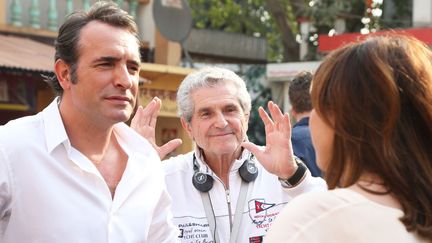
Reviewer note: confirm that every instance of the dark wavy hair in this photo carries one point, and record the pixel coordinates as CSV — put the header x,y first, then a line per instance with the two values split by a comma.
x,y
299,92
377,96
67,42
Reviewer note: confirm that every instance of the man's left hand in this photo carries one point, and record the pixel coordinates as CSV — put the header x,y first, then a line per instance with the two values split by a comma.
x,y
277,155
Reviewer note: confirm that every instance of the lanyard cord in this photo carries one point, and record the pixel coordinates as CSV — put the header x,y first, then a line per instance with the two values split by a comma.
x,y
211,218
239,211
205,196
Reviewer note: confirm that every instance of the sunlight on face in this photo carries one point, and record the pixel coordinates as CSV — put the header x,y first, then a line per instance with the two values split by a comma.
x,y
218,124
322,139
107,74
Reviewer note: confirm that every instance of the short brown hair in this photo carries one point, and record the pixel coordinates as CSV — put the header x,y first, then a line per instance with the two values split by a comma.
x,y
66,44
377,96
299,92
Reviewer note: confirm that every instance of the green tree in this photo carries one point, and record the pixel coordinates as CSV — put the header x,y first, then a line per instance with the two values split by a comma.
x,y
254,77
276,20
248,17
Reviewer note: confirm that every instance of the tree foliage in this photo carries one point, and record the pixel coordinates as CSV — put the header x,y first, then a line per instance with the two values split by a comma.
x,y
248,17
276,20
260,95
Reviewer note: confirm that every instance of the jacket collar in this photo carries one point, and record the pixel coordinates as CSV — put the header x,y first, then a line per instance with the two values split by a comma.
x,y
303,122
246,154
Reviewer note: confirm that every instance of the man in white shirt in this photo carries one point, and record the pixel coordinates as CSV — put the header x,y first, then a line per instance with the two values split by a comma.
x,y
75,172
228,189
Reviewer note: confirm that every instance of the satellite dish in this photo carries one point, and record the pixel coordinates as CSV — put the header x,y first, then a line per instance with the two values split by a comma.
x,y
174,20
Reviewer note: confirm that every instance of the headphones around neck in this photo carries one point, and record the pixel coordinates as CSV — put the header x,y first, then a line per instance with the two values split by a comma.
x,y
204,182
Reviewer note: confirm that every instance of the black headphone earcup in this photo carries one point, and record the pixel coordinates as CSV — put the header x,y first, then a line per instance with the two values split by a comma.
x,y
202,182
248,171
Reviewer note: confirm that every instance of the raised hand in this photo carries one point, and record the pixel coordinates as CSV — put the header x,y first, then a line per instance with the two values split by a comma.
x,y
277,155
144,122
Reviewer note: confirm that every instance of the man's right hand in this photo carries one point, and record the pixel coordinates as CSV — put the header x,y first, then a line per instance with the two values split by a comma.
x,y
144,123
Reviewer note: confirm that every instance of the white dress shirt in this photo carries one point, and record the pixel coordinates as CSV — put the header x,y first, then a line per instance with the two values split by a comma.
x,y
50,192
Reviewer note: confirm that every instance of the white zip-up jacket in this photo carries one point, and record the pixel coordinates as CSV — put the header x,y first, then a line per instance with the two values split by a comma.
x,y
265,200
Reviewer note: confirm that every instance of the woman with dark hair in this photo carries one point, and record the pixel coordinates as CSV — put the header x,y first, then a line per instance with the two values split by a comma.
x,y
372,131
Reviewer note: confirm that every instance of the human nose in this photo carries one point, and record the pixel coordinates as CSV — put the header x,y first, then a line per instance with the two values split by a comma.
x,y
220,121
123,78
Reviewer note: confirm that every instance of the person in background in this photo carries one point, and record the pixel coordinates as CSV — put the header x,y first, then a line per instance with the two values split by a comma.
x,y
75,172
227,189
372,132
301,106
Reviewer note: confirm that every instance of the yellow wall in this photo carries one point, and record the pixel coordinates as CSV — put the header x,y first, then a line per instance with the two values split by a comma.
x,y
3,7
166,52
163,81
168,128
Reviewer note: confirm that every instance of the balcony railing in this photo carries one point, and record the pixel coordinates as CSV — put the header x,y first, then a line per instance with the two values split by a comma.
x,y
49,14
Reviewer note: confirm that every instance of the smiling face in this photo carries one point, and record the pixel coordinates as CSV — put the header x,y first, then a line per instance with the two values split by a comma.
x,y
107,74
218,124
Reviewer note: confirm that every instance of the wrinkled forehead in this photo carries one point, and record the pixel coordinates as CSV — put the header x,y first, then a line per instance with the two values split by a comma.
x,y
216,96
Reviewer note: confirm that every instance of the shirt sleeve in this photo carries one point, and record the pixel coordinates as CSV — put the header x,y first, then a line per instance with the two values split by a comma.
x,y
308,184
162,228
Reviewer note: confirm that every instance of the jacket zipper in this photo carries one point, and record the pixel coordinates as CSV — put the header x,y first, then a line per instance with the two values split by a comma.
x,y
228,198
